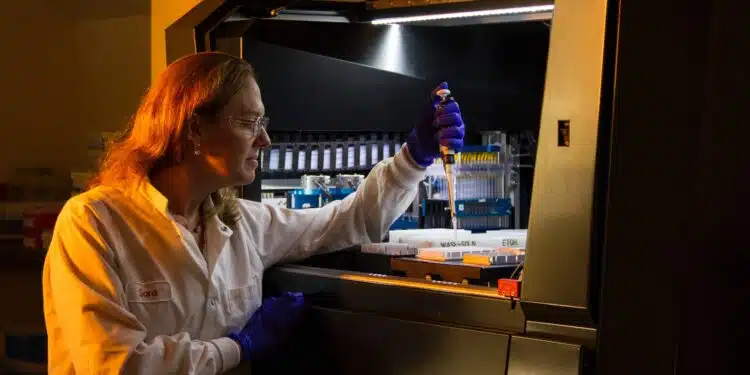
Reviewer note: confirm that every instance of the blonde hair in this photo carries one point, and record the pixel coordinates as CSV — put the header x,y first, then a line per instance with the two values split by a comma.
x,y
200,84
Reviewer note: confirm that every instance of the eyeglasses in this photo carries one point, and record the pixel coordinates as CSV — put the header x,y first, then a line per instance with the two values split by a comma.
x,y
252,125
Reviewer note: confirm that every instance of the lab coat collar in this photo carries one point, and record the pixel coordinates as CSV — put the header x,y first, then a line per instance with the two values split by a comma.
x,y
214,221
217,232
157,199
217,235
160,202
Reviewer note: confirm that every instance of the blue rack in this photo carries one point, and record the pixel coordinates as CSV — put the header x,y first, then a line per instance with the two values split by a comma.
x,y
484,207
476,215
315,198
305,199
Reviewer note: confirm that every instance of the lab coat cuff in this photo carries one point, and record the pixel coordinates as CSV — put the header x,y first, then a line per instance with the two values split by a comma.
x,y
229,351
407,172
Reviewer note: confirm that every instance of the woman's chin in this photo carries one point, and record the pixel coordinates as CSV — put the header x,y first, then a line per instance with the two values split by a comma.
x,y
248,176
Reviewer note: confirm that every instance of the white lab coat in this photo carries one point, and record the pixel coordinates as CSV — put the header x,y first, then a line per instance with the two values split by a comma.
x,y
127,289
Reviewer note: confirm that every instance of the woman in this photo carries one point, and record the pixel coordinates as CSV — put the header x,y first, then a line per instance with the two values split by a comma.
x,y
157,267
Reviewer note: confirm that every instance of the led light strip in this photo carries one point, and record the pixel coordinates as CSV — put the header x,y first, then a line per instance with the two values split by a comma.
x,y
477,13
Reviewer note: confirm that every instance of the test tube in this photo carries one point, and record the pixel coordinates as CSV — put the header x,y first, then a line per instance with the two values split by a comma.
x,y
288,157
273,162
386,146
314,158
386,150
327,158
302,158
350,156
362,155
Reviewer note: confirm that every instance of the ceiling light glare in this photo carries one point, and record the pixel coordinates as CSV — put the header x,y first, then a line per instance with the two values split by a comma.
x,y
469,14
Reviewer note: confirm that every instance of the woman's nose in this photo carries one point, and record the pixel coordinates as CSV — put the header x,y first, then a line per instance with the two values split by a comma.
x,y
262,140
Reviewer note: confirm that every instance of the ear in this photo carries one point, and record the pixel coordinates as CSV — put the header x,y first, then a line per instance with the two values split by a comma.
x,y
193,128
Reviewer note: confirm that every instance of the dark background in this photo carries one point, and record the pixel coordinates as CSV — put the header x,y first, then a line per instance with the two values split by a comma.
x,y
326,76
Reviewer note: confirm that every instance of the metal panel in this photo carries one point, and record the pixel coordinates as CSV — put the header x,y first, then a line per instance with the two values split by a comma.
x,y
559,242
679,158
227,37
527,17
540,357
565,333
342,342
711,338
388,8
190,33
388,4
399,297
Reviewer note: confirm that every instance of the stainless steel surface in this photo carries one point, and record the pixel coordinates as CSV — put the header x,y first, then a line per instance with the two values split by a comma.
x,y
469,4
344,342
389,4
190,33
310,16
559,243
228,37
541,16
281,184
540,357
312,182
385,280
585,336
351,181
414,299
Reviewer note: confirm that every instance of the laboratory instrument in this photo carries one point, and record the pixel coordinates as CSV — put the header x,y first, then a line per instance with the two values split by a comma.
x,y
571,309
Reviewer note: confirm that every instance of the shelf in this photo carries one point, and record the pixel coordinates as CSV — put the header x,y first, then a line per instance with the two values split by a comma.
x,y
280,184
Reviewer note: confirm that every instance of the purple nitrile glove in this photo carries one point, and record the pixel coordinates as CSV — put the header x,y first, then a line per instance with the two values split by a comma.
x,y
438,125
270,326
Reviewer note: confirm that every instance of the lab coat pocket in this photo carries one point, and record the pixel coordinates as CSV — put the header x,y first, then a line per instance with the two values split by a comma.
x,y
241,303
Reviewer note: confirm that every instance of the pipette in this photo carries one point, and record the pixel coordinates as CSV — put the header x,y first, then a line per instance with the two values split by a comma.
x,y
449,158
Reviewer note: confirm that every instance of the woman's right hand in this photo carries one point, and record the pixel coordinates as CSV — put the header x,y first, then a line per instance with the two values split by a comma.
x,y
438,125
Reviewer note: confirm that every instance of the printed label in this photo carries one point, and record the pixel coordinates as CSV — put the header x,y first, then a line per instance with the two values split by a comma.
x,y
457,243
157,291
510,242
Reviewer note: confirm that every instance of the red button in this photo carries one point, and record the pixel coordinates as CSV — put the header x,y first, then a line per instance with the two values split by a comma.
x,y
509,288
